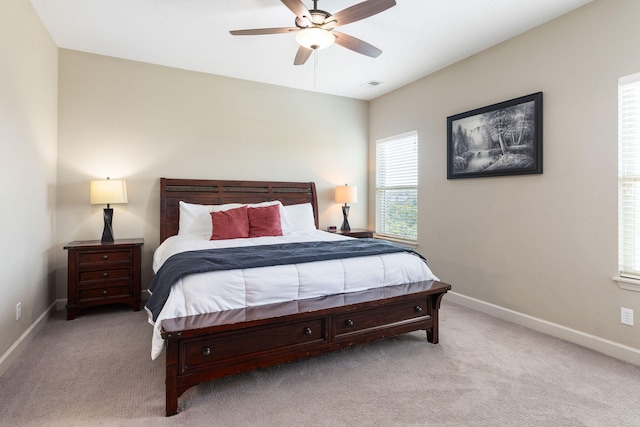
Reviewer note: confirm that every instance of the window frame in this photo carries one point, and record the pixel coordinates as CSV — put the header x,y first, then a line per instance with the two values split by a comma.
x,y
629,182
380,229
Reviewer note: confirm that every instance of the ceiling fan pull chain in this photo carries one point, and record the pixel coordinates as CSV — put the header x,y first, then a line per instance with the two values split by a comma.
x,y
315,65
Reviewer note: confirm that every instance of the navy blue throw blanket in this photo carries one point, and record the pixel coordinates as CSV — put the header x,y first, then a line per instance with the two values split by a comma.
x,y
182,264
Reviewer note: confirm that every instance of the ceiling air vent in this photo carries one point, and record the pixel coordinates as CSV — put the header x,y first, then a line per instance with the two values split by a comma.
x,y
371,84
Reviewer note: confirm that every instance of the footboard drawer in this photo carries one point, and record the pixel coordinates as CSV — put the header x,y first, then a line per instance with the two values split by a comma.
x,y
370,319
198,353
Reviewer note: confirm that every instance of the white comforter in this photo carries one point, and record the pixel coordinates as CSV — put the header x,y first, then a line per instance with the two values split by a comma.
x,y
224,290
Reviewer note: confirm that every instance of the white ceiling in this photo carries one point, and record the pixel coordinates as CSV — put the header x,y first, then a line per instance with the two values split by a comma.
x,y
417,37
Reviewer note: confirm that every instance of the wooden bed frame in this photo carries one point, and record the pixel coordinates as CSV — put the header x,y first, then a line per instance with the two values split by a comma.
x,y
209,346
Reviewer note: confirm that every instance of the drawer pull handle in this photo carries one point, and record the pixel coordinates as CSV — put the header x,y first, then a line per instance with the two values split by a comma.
x,y
206,351
418,309
105,257
348,322
105,274
105,292
308,331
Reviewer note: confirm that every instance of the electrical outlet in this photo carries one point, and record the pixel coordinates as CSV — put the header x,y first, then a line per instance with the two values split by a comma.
x,y
18,311
626,316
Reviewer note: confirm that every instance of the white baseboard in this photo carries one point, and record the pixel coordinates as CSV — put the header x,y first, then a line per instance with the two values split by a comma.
x,y
14,351
610,348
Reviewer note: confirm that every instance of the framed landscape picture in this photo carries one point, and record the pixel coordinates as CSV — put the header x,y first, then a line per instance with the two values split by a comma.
x,y
501,139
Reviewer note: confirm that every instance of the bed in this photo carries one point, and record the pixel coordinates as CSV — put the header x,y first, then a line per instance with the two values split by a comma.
x,y
230,316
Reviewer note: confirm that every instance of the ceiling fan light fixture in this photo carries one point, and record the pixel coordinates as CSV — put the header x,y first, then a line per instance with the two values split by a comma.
x,y
315,38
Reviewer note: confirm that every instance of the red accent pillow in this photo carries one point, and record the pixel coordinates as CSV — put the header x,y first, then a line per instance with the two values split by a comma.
x,y
265,221
230,224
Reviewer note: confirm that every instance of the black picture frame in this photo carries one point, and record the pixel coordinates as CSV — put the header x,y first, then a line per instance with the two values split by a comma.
x,y
497,140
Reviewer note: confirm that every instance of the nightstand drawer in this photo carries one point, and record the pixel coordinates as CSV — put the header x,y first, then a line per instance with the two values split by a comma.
x,y
102,293
104,258
91,276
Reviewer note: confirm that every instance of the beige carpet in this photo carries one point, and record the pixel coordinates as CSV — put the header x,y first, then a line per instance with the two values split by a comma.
x,y
96,370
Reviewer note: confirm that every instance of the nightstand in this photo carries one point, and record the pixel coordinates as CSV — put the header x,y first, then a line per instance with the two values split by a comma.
x,y
102,274
360,233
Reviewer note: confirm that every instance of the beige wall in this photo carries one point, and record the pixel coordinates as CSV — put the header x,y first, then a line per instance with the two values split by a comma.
x,y
140,122
28,126
543,245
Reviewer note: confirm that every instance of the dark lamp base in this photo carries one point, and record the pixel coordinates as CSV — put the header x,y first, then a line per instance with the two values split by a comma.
x,y
345,221
107,233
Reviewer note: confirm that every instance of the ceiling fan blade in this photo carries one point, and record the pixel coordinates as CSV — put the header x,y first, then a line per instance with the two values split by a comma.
x,y
356,45
259,31
302,55
297,7
360,11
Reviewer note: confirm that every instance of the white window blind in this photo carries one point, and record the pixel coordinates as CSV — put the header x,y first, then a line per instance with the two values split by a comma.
x,y
629,175
397,187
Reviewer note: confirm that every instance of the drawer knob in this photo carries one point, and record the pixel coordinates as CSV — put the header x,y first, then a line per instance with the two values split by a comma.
x,y
308,331
348,322
105,292
206,351
105,274
418,309
105,257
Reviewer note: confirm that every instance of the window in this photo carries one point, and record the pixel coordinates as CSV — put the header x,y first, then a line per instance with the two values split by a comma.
x,y
629,176
397,187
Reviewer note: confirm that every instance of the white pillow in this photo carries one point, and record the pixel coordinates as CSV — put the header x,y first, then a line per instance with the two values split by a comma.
x,y
196,219
299,218
263,204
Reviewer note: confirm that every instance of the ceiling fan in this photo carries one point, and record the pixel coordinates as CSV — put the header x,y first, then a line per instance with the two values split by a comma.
x,y
315,28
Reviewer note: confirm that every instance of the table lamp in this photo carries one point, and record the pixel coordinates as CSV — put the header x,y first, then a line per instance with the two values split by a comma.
x,y
346,194
108,191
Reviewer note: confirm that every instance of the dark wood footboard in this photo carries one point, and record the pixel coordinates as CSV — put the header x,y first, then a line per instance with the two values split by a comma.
x,y
209,346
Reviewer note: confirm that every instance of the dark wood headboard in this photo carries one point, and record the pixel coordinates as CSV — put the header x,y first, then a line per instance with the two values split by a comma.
x,y
218,192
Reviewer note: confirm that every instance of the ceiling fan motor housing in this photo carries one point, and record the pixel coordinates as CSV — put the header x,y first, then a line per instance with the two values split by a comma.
x,y
317,18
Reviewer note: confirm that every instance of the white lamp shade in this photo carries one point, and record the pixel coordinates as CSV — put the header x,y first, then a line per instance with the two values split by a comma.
x,y
107,191
315,38
346,194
